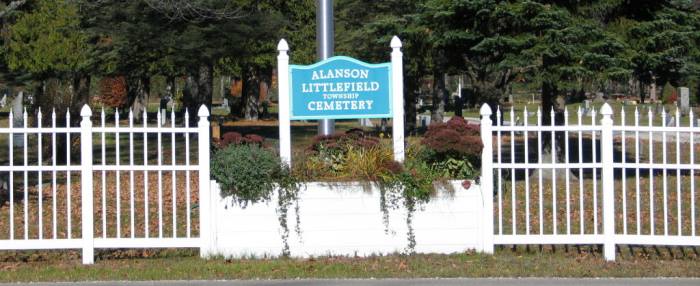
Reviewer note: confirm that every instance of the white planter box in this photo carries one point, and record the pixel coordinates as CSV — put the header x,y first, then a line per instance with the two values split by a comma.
x,y
346,219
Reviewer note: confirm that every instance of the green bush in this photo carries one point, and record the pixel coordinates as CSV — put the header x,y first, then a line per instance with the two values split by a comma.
x,y
248,173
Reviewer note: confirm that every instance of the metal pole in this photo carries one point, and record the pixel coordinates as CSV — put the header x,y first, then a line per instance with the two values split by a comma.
x,y
324,49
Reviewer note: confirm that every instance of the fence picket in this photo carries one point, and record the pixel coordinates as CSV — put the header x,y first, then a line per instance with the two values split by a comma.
x,y
527,175
500,174
679,218
692,176
26,175
513,189
132,215
173,174
624,178
104,176
652,230
54,218
40,175
539,160
580,172
553,151
636,161
11,187
595,175
117,159
567,172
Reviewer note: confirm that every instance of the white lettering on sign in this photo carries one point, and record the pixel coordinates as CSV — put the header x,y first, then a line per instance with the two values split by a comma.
x,y
340,105
340,73
340,87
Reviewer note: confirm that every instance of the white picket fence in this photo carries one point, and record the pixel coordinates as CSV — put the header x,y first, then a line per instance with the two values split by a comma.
x,y
105,213
601,190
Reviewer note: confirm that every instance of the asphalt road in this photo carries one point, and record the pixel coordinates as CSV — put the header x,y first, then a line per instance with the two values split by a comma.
x,y
401,282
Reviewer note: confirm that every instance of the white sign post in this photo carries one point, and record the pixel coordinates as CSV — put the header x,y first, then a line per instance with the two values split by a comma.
x,y
397,101
396,93
284,119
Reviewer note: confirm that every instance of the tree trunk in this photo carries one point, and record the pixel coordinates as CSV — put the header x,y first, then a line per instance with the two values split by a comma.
x,y
62,97
410,96
251,94
205,83
437,110
549,94
189,94
642,92
172,87
138,91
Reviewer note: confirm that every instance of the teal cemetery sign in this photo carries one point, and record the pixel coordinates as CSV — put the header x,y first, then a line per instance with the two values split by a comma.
x,y
340,88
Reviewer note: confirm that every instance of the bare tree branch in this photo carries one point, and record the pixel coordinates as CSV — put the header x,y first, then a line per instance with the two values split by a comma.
x,y
194,11
11,7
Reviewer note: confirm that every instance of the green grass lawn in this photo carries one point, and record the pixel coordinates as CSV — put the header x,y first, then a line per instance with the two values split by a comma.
x,y
507,262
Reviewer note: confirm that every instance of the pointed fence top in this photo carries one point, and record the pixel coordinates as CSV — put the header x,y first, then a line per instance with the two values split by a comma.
x,y
396,43
283,46
485,110
203,111
606,109
85,111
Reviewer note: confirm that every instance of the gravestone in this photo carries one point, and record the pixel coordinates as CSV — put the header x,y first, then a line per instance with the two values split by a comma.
x,y
3,101
599,97
423,120
18,112
366,122
225,104
685,100
671,121
164,101
658,108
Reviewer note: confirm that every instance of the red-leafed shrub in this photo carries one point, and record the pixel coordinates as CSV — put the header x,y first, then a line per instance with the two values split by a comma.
x,y
236,138
453,148
113,92
454,139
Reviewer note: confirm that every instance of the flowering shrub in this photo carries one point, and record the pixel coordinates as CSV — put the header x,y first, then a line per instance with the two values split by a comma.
x,y
453,148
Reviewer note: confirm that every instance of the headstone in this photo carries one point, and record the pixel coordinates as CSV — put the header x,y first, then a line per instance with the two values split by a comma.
x,y
423,120
225,104
171,103
599,97
3,101
366,122
18,112
586,107
671,121
652,92
659,108
163,108
685,100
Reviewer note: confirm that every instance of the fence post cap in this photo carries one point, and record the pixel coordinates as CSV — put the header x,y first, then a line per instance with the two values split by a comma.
x,y
606,109
396,42
485,110
85,111
283,46
203,111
